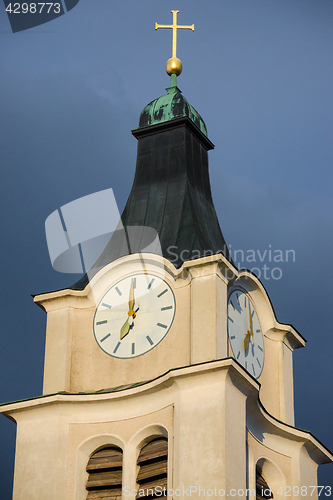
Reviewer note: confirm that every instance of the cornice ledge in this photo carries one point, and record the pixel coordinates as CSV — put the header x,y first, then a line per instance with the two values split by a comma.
x,y
171,124
239,376
269,424
287,334
211,264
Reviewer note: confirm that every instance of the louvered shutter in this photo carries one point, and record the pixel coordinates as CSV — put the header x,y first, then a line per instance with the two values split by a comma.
x,y
262,488
105,474
153,462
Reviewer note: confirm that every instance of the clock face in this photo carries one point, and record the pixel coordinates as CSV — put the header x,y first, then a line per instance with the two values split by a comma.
x,y
244,333
134,315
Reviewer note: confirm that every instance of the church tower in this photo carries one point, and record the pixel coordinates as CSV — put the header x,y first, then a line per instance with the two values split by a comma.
x,y
166,371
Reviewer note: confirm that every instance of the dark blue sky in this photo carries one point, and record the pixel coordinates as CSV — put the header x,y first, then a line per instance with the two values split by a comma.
x,y
260,74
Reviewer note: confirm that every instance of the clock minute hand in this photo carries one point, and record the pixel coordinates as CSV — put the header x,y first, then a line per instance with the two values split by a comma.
x,y
251,322
131,301
131,314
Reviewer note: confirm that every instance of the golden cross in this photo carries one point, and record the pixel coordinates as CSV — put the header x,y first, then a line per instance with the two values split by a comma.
x,y
174,28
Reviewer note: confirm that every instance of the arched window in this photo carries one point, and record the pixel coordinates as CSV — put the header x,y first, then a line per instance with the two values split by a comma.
x,y
152,475
105,474
263,491
269,479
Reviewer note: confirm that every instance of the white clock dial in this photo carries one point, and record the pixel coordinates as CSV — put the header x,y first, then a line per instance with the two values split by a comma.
x,y
134,315
245,333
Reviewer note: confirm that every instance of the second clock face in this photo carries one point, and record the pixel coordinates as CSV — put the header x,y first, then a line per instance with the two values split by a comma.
x,y
134,315
244,333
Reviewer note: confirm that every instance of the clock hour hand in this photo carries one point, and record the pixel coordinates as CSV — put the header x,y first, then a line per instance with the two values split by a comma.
x,y
126,327
246,340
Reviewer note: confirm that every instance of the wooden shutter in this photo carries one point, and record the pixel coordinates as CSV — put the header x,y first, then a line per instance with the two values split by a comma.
x,y
105,474
262,488
153,463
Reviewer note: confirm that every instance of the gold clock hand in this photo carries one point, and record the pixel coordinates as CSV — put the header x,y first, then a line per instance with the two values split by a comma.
x,y
131,314
129,323
246,340
131,298
251,322
124,329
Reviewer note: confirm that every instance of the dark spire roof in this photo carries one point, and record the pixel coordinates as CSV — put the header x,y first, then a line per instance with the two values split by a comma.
x,y
171,190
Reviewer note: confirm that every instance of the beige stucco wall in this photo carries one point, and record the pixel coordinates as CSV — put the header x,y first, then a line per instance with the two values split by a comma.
x,y
216,432
57,434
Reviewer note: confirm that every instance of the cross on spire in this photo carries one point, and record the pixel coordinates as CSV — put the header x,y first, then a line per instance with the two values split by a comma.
x,y
174,65
174,26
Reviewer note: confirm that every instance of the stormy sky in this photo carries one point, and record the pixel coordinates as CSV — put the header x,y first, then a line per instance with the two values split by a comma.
x,y
260,74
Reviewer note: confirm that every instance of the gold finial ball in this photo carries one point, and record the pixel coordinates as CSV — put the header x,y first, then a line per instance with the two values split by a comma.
x,y
174,66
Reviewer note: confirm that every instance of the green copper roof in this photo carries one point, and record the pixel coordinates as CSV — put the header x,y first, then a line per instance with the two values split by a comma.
x,y
170,107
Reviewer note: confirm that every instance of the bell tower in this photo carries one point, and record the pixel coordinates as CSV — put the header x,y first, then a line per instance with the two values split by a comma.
x,y
166,371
